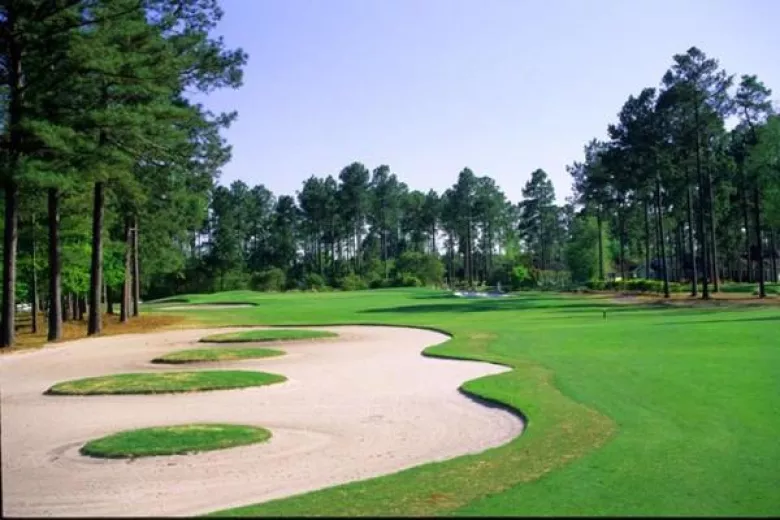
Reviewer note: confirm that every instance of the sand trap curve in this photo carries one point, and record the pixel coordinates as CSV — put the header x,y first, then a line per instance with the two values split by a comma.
x,y
361,406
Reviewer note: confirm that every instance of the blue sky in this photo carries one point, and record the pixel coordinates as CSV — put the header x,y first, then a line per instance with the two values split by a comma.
x,y
432,86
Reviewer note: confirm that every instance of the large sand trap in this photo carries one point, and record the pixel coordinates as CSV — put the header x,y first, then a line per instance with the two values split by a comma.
x,y
364,405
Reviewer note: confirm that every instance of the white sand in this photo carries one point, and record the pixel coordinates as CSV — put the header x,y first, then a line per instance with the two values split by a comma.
x,y
365,405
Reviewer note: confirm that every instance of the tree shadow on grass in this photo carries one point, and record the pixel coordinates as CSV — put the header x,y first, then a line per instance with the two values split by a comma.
x,y
513,304
725,320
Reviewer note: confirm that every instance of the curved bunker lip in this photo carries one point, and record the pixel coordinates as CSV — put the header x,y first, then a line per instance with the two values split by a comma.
x,y
340,390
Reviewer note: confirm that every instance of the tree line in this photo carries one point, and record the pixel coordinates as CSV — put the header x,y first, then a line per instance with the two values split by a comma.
x,y
673,196
111,174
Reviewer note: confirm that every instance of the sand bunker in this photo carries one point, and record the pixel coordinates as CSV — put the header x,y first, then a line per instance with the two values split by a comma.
x,y
361,406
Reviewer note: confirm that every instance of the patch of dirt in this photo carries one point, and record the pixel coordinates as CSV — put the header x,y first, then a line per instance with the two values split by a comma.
x,y
74,329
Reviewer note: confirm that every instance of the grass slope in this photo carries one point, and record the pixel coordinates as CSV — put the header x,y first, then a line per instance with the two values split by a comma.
x,y
653,411
174,440
197,355
165,382
260,336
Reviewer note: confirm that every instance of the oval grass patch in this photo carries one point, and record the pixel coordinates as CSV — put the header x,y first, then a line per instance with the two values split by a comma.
x,y
174,440
216,354
165,382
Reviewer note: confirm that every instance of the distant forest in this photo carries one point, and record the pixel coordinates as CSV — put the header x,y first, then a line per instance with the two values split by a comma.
x,y
110,192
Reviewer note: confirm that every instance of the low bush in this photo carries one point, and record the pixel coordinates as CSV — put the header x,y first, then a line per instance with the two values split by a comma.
x,y
408,280
351,282
640,285
271,280
314,281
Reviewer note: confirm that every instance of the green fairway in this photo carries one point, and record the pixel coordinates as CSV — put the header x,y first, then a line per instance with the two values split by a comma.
x,y
652,411
197,355
174,440
259,336
165,382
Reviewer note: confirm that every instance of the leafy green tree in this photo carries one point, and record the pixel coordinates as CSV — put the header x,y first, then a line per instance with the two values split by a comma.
x,y
538,217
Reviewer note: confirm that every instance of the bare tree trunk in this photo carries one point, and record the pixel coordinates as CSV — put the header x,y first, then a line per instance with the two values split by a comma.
x,y
746,224
691,244
82,307
647,239
136,270
659,212
124,309
713,242
95,325
109,300
10,241
34,281
601,244
10,237
773,245
621,216
759,241
702,231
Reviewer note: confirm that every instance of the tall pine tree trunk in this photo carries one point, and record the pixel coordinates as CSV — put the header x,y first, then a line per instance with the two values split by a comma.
x,y
124,309
713,242
647,239
773,245
10,237
601,244
680,251
659,213
692,244
136,270
702,231
621,216
34,280
746,224
759,241
10,241
95,324
109,300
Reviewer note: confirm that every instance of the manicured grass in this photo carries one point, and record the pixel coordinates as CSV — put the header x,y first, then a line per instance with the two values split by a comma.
x,y
174,440
657,410
165,382
216,354
258,336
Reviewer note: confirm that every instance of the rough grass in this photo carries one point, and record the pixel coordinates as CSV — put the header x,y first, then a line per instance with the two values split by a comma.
x,y
654,411
174,440
165,382
259,336
216,354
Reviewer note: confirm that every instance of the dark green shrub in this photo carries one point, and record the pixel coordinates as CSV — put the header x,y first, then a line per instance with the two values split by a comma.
x,y
428,269
271,280
314,281
519,277
351,282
